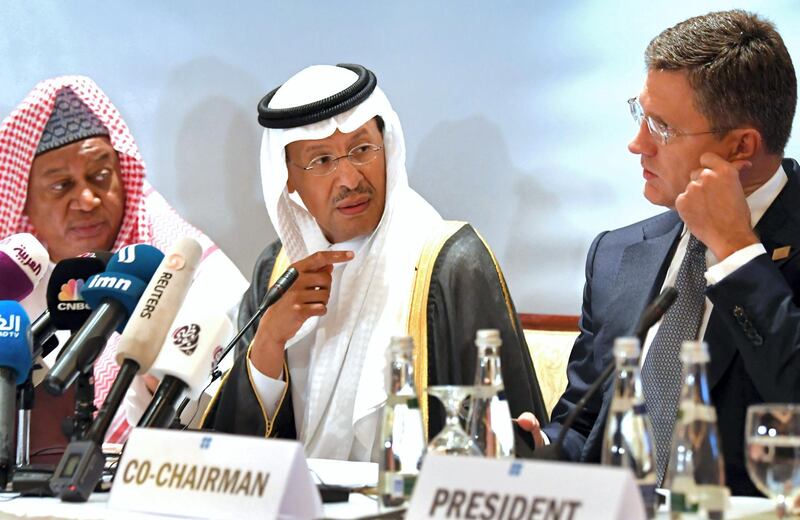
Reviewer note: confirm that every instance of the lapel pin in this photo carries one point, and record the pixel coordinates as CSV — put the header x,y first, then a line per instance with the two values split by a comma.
x,y
781,252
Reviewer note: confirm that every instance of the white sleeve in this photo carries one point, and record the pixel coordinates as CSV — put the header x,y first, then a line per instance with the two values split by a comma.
x,y
269,390
716,273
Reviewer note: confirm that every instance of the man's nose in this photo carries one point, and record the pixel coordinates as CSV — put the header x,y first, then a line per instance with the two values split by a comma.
x,y
87,200
643,142
347,174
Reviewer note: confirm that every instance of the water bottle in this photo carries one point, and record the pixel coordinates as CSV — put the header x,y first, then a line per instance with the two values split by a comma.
x,y
402,438
696,473
628,440
489,419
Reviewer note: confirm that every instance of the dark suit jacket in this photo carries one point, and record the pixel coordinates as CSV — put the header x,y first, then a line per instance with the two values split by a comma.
x,y
753,333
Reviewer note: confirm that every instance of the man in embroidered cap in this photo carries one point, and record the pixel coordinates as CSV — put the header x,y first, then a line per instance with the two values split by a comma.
x,y
375,260
712,120
72,175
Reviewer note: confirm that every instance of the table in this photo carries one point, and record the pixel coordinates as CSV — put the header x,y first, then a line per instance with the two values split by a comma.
x,y
29,508
359,506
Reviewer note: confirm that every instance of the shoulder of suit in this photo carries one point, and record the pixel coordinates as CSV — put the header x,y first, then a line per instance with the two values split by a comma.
x,y
656,225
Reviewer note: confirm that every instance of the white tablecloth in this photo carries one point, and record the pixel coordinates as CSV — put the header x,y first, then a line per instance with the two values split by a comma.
x,y
360,506
96,508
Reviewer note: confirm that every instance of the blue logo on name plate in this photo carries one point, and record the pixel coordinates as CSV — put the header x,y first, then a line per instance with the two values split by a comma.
x,y
205,443
515,470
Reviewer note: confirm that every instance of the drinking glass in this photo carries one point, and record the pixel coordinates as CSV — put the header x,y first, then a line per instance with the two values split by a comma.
x,y
773,453
452,440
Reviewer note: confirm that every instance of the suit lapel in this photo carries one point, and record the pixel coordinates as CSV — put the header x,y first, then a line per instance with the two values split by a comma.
x,y
777,228
641,273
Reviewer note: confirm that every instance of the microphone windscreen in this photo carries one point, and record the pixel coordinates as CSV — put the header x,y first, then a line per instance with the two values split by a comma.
x,y
192,349
150,321
68,310
23,262
139,260
124,279
15,340
103,256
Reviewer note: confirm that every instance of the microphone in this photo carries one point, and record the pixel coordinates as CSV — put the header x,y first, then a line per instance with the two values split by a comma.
x,y
112,295
189,355
138,348
651,314
274,294
66,309
145,332
277,290
15,364
23,262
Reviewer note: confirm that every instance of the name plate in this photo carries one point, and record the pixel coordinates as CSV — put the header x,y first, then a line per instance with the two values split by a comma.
x,y
473,488
214,475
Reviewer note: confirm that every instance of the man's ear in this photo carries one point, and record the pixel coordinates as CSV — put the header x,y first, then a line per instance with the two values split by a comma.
x,y
289,186
746,143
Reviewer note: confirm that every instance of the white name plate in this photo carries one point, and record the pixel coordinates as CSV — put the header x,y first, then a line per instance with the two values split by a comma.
x,y
214,475
473,488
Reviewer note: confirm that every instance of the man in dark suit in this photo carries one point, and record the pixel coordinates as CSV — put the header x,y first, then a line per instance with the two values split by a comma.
x,y
714,116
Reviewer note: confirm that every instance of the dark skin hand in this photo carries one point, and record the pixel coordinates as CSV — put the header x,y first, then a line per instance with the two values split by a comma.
x,y
307,297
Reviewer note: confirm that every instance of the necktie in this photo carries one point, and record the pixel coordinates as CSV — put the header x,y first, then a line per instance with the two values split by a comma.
x,y
661,371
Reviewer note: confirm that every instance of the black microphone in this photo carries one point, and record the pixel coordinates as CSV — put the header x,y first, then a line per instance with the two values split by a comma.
x,y
138,348
43,334
651,314
274,294
112,296
66,309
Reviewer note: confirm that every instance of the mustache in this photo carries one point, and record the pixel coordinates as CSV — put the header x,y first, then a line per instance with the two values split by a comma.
x,y
345,192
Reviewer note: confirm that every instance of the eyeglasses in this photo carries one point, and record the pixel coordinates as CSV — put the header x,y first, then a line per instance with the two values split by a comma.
x,y
325,164
658,129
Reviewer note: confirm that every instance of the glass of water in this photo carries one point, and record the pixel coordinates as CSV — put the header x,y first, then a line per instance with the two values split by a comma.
x,y
452,440
773,453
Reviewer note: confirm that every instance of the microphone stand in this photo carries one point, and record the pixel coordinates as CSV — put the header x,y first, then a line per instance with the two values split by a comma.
x,y
75,427
25,404
30,479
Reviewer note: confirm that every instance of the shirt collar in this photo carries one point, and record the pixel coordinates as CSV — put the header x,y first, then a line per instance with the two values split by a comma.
x,y
765,195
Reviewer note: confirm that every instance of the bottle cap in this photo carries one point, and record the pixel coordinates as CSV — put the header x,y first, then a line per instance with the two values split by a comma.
x,y
694,352
488,338
627,347
401,343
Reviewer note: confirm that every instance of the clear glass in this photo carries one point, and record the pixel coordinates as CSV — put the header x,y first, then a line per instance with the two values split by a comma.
x,y
628,440
696,471
402,437
773,454
452,440
489,420
659,129
323,165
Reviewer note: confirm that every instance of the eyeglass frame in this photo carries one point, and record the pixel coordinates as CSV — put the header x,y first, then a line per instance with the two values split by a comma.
x,y
664,136
335,160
